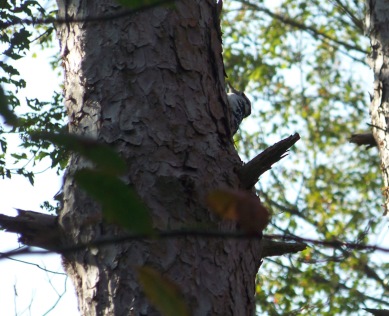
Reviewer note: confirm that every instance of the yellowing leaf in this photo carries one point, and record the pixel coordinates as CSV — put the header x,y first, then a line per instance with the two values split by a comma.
x,y
223,203
163,293
241,206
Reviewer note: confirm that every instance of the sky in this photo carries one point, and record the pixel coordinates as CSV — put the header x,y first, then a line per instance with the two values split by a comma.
x,y
26,288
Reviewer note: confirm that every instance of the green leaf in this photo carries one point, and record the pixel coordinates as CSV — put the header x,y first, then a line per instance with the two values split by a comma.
x,y
9,116
163,293
19,156
30,176
120,204
102,155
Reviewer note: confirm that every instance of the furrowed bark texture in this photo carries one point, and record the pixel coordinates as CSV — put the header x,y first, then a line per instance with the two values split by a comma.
x,y
151,84
377,20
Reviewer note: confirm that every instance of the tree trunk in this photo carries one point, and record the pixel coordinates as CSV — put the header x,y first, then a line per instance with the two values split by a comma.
x,y
151,84
377,19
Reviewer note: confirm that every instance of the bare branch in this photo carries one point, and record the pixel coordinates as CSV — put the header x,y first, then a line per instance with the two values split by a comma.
x,y
250,172
278,248
35,229
378,312
37,265
195,233
363,139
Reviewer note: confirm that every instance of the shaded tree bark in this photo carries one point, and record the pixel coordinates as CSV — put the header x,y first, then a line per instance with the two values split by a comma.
x,y
151,84
377,19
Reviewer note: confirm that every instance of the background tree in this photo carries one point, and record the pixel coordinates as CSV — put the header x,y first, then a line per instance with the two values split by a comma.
x,y
328,187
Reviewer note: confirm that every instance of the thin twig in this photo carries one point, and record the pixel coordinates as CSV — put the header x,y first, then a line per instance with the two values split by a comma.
x,y
196,233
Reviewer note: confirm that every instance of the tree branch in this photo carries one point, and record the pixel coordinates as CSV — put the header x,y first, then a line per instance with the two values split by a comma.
x,y
378,312
250,172
42,230
318,278
278,248
35,229
363,139
309,29
357,21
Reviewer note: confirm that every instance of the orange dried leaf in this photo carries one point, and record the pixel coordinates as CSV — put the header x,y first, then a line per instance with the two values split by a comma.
x,y
162,292
241,206
223,203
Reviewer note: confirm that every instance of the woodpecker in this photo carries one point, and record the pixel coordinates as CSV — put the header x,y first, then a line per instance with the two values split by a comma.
x,y
240,107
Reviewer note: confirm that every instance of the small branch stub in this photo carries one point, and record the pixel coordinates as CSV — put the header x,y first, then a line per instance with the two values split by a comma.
x,y
35,229
366,139
278,248
250,172
378,312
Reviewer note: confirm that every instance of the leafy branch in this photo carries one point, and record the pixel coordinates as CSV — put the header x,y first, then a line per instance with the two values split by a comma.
x,y
308,28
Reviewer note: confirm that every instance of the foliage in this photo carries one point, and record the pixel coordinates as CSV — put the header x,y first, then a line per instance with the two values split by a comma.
x,y
301,61
162,292
16,39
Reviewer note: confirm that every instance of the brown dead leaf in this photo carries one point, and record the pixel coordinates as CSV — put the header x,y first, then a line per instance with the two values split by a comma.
x,y
241,206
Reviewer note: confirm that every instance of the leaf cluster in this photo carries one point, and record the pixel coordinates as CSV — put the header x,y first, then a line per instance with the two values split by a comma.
x,y
35,115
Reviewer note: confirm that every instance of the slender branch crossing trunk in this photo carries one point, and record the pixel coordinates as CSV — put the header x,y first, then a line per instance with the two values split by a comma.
x,y
151,84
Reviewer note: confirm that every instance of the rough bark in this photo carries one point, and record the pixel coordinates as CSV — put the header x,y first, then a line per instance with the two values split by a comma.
x,y
151,84
377,19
